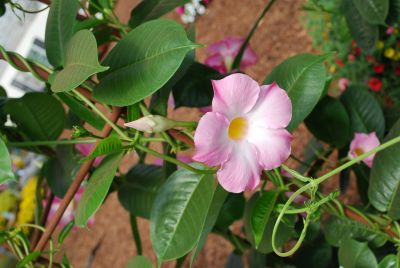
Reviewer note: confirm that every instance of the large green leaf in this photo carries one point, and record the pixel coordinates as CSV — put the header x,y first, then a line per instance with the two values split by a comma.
x,y
61,169
38,116
143,62
373,11
384,185
260,214
97,189
232,210
81,62
353,254
82,111
329,122
338,229
6,172
139,189
59,29
195,89
139,262
303,77
364,110
215,208
152,9
363,32
179,212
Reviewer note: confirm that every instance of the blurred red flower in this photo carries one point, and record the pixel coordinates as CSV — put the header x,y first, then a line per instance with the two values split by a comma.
x,y
375,84
379,68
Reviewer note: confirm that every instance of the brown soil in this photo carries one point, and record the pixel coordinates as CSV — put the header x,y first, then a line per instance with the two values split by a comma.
x,y
281,35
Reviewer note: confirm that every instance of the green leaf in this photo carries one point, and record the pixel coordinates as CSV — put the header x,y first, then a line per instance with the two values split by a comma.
x,y
61,169
284,232
82,111
373,11
390,261
81,62
142,62
384,185
365,113
338,229
215,208
97,189
152,9
38,115
178,213
6,172
195,89
353,254
28,259
394,12
59,29
303,77
234,261
363,32
260,214
138,191
108,145
65,231
139,262
232,210
329,122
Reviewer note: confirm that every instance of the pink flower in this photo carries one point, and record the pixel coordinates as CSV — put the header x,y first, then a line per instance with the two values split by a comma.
x,y
343,83
389,30
223,53
245,132
180,10
85,149
363,143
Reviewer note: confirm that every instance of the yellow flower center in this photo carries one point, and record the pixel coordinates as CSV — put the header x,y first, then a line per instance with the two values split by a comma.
x,y
358,151
237,128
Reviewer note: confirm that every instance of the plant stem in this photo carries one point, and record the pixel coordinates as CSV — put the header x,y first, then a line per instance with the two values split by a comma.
x,y
50,143
136,234
173,160
102,115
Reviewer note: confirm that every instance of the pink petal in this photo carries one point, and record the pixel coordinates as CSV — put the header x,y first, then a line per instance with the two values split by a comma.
x,y
217,47
272,145
249,58
217,62
211,139
273,108
365,143
85,149
235,95
241,171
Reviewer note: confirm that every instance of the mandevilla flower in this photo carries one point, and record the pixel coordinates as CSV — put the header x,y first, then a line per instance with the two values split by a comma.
x,y
363,143
245,132
151,124
223,53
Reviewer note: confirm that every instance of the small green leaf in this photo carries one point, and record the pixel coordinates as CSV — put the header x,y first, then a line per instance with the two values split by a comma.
x,y
365,113
373,11
65,231
140,188
139,262
81,62
353,254
38,115
142,62
384,185
303,77
338,229
390,261
59,29
329,122
179,212
109,145
260,214
28,259
363,32
97,189
152,9
6,172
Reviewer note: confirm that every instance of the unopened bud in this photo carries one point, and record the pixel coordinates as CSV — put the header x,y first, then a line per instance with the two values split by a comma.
x,y
152,124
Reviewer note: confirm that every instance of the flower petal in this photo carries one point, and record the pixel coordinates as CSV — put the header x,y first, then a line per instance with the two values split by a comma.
x,y
365,143
235,95
272,145
273,108
212,143
249,58
241,171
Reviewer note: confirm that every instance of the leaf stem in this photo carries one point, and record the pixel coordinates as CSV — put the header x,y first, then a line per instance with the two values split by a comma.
x,y
50,143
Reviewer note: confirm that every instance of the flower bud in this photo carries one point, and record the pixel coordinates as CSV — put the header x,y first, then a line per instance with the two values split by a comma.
x,y
152,124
